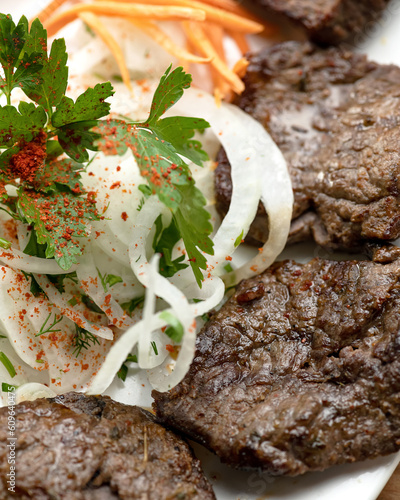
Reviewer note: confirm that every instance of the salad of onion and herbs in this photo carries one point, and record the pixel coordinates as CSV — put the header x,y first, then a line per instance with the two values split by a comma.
x,y
108,249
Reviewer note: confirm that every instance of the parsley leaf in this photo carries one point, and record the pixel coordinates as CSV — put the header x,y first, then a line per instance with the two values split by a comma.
x,y
76,138
195,226
12,41
168,92
20,125
53,74
163,243
90,105
59,219
157,145
178,130
61,174
26,74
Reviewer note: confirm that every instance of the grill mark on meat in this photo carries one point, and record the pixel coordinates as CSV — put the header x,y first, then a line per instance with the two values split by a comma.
x,y
345,169
77,447
313,383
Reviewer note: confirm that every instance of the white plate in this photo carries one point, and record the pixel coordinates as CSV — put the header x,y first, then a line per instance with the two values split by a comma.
x,y
347,482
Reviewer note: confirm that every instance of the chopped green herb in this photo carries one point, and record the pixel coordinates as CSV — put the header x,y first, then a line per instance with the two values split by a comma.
x,y
90,304
58,280
49,329
5,244
35,289
145,189
72,302
239,239
8,387
130,306
83,340
141,203
228,267
163,243
154,346
205,317
175,330
123,371
108,280
7,364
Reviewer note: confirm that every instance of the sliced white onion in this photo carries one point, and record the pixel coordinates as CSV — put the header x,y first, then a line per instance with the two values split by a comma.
x,y
167,375
61,301
147,358
156,284
33,390
89,283
15,300
277,197
16,259
115,358
258,168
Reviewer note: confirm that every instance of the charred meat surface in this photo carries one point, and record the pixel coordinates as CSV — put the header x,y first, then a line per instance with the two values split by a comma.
x,y
80,447
335,116
302,376
328,21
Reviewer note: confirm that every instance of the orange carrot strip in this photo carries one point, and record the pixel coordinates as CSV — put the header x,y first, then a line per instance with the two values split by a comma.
x,y
230,6
166,42
99,28
108,8
199,40
48,11
215,34
226,19
241,67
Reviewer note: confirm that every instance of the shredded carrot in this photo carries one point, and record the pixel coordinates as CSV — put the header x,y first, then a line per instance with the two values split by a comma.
x,y
205,23
215,34
99,28
199,40
165,41
241,67
229,5
226,19
49,10
171,13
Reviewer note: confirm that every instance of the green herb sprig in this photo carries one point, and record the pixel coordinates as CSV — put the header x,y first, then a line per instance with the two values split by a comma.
x,y
45,143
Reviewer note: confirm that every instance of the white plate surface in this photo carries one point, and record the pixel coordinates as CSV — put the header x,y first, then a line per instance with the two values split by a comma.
x,y
359,481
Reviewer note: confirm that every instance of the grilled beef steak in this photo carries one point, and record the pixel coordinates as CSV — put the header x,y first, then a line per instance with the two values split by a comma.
x,y
336,118
80,447
327,21
299,370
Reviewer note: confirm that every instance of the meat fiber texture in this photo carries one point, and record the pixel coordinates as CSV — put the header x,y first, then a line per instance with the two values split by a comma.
x,y
327,21
335,116
75,447
299,370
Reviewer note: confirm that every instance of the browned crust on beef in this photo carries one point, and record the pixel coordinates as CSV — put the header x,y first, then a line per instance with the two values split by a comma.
x,y
78,447
336,118
328,21
299,370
